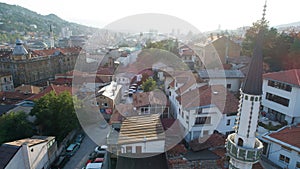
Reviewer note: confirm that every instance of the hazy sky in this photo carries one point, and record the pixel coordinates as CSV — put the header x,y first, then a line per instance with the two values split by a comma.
x,y
203,14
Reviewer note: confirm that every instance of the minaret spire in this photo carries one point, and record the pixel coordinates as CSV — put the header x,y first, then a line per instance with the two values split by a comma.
x,y
263,20
243,148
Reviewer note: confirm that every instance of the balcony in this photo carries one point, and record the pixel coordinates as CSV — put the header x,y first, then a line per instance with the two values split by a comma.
x,y
241,153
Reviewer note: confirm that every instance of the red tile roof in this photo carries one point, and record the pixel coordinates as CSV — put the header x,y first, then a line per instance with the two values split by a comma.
x,y
56,88
289,76
64,51
13,97
149,98
207,95
289,135
212,141
105,71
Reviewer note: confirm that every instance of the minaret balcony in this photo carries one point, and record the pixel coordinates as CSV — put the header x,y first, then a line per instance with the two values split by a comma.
x,y
242,153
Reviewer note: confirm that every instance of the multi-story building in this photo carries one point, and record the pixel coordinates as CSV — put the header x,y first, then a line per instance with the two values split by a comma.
x,y
36,66
231,79
36,152
283,147
107,98
207,109
6,82
281,96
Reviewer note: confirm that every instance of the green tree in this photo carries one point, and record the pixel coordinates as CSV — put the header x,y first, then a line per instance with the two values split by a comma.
x,y
55,115
149,85
14,126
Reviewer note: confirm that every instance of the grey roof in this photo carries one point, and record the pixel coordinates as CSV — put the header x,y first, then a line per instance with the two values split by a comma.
x,y
7,152
6,108
209,74
19,48
201,155
151,162
253,81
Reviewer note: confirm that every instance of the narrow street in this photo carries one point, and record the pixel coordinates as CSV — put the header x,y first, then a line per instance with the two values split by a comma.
x,y
93,134
81,156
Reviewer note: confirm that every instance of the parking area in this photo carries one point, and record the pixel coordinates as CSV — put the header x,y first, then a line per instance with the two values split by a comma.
x,y
79,159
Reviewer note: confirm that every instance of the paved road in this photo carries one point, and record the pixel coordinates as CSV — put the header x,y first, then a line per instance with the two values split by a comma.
x,y
87,146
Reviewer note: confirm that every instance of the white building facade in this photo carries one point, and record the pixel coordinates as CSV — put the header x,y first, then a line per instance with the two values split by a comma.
x,y
281,96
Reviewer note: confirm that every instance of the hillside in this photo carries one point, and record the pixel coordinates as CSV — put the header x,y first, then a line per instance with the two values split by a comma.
x,y
18,19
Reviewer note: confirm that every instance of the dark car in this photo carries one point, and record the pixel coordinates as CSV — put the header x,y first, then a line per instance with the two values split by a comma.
x,y
79,138
71,150
60,162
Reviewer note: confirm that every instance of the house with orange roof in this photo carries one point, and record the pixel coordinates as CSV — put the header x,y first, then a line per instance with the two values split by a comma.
x,y
57,89
281,96
207,109
282,147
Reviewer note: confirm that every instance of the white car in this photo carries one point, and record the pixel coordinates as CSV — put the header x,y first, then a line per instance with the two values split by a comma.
x,y
101,149
93,166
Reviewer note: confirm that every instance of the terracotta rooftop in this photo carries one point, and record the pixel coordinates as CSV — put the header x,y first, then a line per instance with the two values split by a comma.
x,y
149,98
289,135
289,76
212,141
13,97
56,88
207,95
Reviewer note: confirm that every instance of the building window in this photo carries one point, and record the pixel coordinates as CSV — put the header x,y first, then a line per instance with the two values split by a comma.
x,y
228,86
277,99
228,122
279,85
128,149
298,164
203,120
105,104
138,149
284,159
240,142
199,111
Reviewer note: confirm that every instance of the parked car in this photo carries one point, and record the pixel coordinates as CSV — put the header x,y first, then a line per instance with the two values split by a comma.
x,y
60,162
79,138
71,150
101,149
93,166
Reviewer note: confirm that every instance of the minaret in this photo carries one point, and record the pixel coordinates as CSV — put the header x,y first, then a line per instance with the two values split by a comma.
x,y
51,38
243,148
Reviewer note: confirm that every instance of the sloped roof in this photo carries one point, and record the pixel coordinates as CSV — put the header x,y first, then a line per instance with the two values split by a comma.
x,y
208,74
211,141
7,152
152,161
288,135
149,98
289,76
206,95
138,128
253,81
56,88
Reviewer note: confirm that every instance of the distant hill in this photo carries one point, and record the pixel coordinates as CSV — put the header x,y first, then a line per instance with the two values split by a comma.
x,y
16,18
294,24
